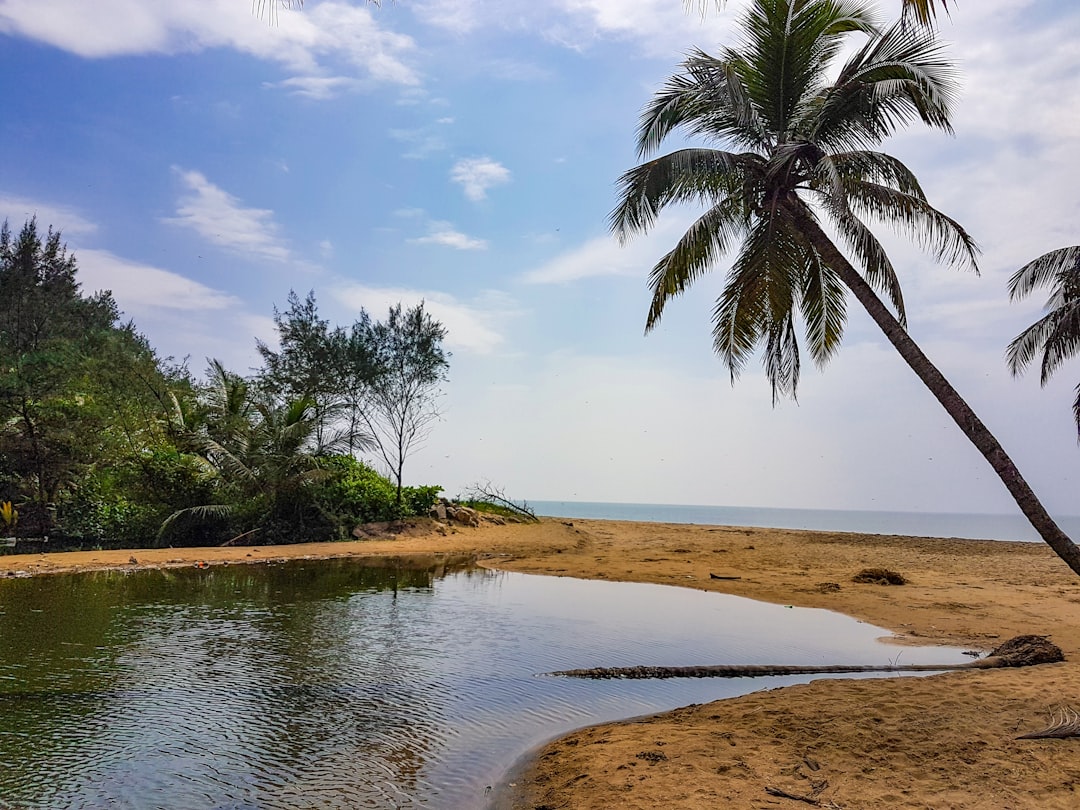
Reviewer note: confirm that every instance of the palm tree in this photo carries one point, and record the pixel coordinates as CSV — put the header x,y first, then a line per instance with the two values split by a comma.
x,y
924,10
1057,334
800,150
261,449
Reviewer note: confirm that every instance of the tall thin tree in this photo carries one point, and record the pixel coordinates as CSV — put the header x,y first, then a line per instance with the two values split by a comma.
x,y
800,146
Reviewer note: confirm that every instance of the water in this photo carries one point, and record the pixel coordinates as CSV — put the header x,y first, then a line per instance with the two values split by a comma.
x,y
328,685
914,524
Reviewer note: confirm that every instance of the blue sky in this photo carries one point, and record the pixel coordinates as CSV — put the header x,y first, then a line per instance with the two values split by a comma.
x,y
201,162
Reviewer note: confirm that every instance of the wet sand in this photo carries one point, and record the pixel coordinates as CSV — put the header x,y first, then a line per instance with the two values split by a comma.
x,y
946,741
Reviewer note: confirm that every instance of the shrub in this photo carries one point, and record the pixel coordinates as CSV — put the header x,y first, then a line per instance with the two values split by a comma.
x,y
354,493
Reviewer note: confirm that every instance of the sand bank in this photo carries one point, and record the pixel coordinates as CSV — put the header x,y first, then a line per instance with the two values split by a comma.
x,y
945,741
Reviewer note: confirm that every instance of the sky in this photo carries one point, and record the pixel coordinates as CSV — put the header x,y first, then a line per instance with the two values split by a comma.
x,y
202,160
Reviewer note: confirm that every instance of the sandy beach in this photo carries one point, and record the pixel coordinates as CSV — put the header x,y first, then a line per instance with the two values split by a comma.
x,y
945,741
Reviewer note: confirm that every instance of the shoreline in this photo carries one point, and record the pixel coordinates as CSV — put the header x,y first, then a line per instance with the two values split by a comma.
x,y
940,741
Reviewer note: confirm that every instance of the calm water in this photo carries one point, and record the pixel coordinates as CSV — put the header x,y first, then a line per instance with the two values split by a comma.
x,y
916,524
328,685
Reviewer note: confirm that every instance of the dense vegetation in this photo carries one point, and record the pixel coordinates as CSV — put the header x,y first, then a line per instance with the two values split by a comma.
x,y
102,442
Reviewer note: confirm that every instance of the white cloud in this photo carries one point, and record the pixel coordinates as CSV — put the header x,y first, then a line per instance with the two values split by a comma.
x,y
470,326
17,210
319,88
657,27
459,16
1004,96
219,217
477,175
326,39
604,256
140,288
422,141
443,233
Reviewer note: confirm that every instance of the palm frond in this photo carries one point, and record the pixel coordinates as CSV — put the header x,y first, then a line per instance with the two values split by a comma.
x,y
1057,266
708,98
876,265
937,233
872,167
893,80
695,253
195,513
757,303
924,11
1076,412
787,48
824,307
230,464
688,175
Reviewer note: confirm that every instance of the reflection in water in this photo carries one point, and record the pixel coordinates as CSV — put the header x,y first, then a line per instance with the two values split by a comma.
x,y
329,685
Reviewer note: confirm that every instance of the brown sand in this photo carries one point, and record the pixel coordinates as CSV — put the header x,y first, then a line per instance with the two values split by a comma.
x,y
946,741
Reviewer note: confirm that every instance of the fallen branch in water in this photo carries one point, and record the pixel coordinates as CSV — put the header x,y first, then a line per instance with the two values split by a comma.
x,y
1022,651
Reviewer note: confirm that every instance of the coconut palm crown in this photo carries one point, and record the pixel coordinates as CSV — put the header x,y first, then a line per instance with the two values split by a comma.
x,y
789,146
1056,335
805,151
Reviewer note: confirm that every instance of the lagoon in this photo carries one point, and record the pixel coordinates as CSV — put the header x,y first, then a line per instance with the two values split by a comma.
x,y
330,685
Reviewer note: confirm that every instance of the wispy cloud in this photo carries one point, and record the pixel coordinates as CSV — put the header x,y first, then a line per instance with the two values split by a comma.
x,y
329,44
657,27
459,16
141,288
604,256
317,87
443,233
470,325
477,175
17,210
220,218
422,142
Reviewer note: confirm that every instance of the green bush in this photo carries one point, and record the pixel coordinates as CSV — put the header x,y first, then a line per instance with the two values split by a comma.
x,y
124,505
354,493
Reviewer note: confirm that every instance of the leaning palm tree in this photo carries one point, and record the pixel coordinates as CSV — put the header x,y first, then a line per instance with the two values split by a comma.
x,y
788,148
1057,334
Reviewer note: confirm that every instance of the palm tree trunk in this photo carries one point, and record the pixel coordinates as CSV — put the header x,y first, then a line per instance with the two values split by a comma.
x,y
954,404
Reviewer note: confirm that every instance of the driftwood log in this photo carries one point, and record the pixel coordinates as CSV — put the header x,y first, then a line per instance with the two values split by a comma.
x,y
1022,651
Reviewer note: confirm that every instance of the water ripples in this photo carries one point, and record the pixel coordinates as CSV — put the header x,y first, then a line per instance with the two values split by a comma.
x,y
326,685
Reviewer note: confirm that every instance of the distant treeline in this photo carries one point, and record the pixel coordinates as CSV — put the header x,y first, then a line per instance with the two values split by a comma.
x,y
102,442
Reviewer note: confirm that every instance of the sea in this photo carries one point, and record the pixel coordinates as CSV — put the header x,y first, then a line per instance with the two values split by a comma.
x,y
916,524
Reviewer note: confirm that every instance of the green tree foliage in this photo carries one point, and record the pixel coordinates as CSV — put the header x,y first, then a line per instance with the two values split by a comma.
x,y
373,387
310,363
48,336
262,450
84,443
355,493
102,442
1056,335
409,366
790,140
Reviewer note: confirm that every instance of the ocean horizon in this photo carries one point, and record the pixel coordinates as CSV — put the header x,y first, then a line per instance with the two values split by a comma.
x,y
968,526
